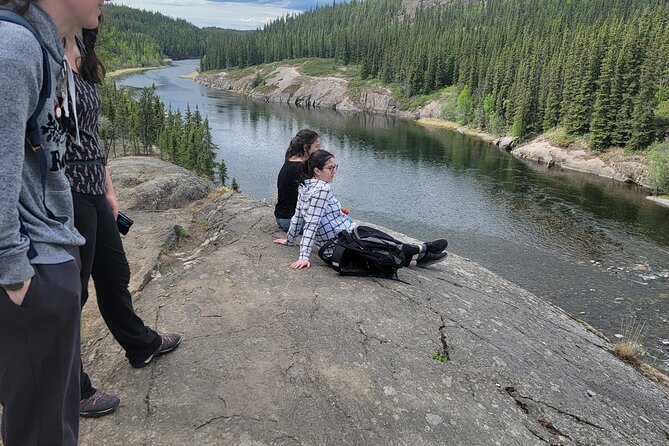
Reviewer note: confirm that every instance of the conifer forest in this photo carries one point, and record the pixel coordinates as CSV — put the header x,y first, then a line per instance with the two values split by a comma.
x,y
595,67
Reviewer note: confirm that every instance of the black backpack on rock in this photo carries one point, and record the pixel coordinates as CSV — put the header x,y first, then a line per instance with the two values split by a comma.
x,y
364,252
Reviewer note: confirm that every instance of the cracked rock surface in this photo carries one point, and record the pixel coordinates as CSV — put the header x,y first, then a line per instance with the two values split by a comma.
x,y
272,356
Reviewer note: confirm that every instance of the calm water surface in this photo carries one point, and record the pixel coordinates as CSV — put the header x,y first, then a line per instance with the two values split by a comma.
x,y
594,247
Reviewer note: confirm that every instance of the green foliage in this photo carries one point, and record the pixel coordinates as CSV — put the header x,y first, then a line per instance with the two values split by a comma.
x,y
137,126
449,99
122,49
662,112
235,185
465,106
439,357
412,102
560,137
181,232
595,67
292,88
491,119
258,80
222,173
318,67
266,89
659,165
130,36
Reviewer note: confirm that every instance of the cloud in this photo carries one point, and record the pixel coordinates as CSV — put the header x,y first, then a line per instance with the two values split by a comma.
x,y
256,20
224,14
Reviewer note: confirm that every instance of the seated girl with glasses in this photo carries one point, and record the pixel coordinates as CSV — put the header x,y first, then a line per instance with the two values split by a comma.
x,y
323,218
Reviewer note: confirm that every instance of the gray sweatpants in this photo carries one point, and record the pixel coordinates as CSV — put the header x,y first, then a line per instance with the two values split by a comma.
x,y
39,359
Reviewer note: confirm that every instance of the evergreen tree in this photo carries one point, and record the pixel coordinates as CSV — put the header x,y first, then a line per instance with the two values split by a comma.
x,y
604,111
519,64
222,173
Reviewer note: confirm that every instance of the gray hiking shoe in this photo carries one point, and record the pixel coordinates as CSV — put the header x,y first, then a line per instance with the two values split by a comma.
x,y
167,344
98,404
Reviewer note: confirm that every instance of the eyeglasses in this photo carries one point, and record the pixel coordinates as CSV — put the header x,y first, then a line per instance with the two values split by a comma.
x,y
332,168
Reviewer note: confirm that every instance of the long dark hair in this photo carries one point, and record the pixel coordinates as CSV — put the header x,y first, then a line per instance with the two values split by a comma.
x,y
20,6
316,160
91,67
301,143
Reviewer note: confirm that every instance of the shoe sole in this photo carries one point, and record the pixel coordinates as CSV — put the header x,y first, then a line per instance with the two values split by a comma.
x,y
431,262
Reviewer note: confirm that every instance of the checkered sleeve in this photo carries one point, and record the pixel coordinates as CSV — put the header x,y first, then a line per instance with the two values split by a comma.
x,y
312,218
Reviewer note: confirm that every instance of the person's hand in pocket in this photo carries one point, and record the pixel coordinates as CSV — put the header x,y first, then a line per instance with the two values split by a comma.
x,y
18,295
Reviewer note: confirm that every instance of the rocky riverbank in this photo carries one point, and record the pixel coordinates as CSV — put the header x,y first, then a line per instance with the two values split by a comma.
x,y
285,84
452,355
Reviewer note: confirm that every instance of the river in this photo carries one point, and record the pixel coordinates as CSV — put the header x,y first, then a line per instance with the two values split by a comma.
x,y
594,247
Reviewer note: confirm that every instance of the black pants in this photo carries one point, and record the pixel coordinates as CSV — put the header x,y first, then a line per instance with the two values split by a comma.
x,y
103,258
39,359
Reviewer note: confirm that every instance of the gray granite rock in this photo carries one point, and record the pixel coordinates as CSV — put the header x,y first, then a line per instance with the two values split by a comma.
x,y
147,183
273,356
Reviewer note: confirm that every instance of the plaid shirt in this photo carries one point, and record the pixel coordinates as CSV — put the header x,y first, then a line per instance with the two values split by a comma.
x,y
322,216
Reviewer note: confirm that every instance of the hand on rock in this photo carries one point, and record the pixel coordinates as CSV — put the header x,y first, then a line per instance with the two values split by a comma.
x,y
300,264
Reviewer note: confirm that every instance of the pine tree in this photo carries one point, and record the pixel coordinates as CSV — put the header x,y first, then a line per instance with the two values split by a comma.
x,y
222,172
642,131
604,110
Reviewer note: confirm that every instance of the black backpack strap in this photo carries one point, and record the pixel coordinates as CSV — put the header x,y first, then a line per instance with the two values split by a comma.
x,y
337,255
33,135
367,231
344,241
321,252
32,131
338,247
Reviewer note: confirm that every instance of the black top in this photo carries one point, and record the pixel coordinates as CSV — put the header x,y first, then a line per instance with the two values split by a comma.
x,y
84,164
286,184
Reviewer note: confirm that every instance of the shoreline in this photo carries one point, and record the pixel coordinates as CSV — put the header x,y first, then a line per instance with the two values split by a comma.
x,y
543,152
124,71
285,84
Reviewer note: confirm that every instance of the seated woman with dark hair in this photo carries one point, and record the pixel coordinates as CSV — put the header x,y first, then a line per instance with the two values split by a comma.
x,y
323,218
301,146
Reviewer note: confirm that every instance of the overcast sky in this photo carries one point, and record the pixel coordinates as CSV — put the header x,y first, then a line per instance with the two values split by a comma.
x,y
224,14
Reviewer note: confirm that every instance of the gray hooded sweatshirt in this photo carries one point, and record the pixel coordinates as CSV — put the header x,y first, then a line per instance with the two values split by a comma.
x,y
21,198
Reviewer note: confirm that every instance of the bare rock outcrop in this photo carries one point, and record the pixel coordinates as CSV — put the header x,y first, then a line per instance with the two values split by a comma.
x,y
616,165
506,143
452,355
148,183
286,85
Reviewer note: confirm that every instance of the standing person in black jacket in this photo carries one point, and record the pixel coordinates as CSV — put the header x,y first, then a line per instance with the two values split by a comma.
x,y
95,213
303,144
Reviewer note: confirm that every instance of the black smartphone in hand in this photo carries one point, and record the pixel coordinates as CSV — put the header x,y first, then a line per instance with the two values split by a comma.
x,y
123,222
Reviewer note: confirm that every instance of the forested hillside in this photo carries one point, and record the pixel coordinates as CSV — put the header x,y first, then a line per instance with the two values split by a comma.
x,y
134,38
594,67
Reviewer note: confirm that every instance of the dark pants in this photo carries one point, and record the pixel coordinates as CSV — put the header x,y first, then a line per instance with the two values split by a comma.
x,y
103,258
39,359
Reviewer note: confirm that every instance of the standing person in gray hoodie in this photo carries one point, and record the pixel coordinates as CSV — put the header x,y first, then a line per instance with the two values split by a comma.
x,y
39,267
